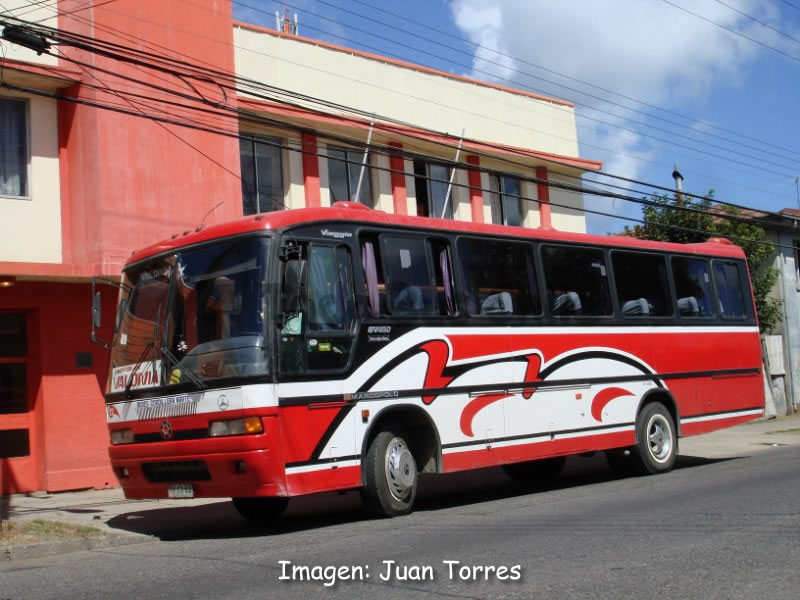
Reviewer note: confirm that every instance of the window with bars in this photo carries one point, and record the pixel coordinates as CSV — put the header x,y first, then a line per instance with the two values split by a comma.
x,y
262,175
505,200
344,172
14,148
431,182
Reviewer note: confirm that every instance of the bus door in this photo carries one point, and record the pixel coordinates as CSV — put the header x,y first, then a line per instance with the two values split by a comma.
x,y
317,320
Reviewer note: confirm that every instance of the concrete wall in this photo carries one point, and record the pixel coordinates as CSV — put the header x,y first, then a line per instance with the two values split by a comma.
x,y
68,433
789,286
413,95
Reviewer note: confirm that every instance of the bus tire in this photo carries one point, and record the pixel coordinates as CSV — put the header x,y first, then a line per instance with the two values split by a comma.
x,y
391,475
541,471
260,510
657,441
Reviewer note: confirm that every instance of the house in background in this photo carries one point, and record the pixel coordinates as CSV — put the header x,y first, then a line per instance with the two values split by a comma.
x,y
82,186
782,347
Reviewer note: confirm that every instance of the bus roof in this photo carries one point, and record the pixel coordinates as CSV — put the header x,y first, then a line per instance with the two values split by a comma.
x,y
358,213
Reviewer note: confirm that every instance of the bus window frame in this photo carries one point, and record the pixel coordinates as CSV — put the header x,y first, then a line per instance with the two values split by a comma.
x,y
615,314
309,241
667,258
747,299
686,320
532,247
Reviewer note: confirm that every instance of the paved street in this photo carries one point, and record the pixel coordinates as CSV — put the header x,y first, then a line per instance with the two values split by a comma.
x,y
716,527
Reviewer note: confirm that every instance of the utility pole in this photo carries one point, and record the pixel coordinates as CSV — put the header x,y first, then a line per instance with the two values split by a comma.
x,y
797,189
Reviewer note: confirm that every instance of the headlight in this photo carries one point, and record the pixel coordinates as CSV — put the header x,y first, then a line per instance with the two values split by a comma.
x,y
235,427
121,436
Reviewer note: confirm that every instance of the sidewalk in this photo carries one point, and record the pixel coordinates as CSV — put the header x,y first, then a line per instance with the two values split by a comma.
x,y
104,509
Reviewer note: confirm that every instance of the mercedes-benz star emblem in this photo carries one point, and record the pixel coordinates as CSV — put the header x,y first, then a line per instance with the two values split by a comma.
x,y
166,430
222,402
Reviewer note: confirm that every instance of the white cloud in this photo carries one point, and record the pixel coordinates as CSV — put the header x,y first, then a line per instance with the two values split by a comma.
x,y
644,49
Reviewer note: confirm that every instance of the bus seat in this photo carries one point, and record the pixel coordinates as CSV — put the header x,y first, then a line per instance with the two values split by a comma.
x,y
408,300
639,306
497,304
568,303
688,307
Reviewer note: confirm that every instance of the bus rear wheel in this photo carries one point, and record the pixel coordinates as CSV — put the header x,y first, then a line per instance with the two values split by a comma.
x,y
391,475
542,471
260,510
657,445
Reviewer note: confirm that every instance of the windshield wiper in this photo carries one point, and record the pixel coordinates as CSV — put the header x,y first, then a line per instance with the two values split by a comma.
x,y
140,360
189,375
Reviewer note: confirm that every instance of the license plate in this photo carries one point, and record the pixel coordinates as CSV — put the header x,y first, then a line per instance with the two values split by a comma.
x,y
181,490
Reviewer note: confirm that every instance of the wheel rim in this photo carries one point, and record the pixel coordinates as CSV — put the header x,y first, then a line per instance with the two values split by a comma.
x,y
400,469
659,438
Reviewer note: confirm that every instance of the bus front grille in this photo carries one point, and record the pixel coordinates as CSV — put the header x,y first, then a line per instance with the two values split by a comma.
x,y
175,471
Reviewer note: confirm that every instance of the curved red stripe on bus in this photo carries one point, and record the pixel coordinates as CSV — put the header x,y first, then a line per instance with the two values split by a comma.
x,y
602,399
532,374
437,352
475,406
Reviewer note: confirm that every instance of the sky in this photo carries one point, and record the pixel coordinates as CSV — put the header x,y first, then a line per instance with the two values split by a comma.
x,y
715,93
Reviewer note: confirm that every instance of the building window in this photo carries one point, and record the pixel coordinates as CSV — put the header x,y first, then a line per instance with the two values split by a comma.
x,y
262,175
505,200
344,169
13,382
13,147
431,183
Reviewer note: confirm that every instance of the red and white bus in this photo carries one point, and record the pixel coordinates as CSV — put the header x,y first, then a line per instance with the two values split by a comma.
x,y
338,348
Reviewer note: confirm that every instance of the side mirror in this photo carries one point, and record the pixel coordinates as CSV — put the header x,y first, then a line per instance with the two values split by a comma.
x,y
97,308
97,311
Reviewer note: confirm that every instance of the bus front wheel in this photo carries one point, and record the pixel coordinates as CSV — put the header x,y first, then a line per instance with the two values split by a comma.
x,y
391,475
260,509
657,445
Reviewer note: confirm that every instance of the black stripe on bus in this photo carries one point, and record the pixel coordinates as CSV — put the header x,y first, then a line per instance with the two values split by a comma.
x,y
337,420
513,438
526,436
321,461
537,384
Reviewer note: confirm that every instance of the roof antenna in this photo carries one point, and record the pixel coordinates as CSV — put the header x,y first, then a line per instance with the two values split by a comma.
x,y
203,221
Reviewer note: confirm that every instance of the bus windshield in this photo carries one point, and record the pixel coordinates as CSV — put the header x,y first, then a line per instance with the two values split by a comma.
x,y
194,316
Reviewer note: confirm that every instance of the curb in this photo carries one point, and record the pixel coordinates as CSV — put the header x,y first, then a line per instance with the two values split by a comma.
x,y
40,549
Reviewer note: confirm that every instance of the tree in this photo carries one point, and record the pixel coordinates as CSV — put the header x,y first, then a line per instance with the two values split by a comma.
x,y
666,219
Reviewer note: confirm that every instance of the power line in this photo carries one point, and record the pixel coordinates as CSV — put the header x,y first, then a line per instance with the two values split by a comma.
x,y
605,149
583,82
151,66
733,31
593,108
736,10
574,189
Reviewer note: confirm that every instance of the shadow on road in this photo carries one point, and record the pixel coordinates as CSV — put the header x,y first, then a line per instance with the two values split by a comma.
x,y
439,492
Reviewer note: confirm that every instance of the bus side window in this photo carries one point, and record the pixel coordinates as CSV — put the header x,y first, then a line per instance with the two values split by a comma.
x,y
577,283
642,284
499,278
693,287
374,284
409,281
443,274
729,290
331,308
